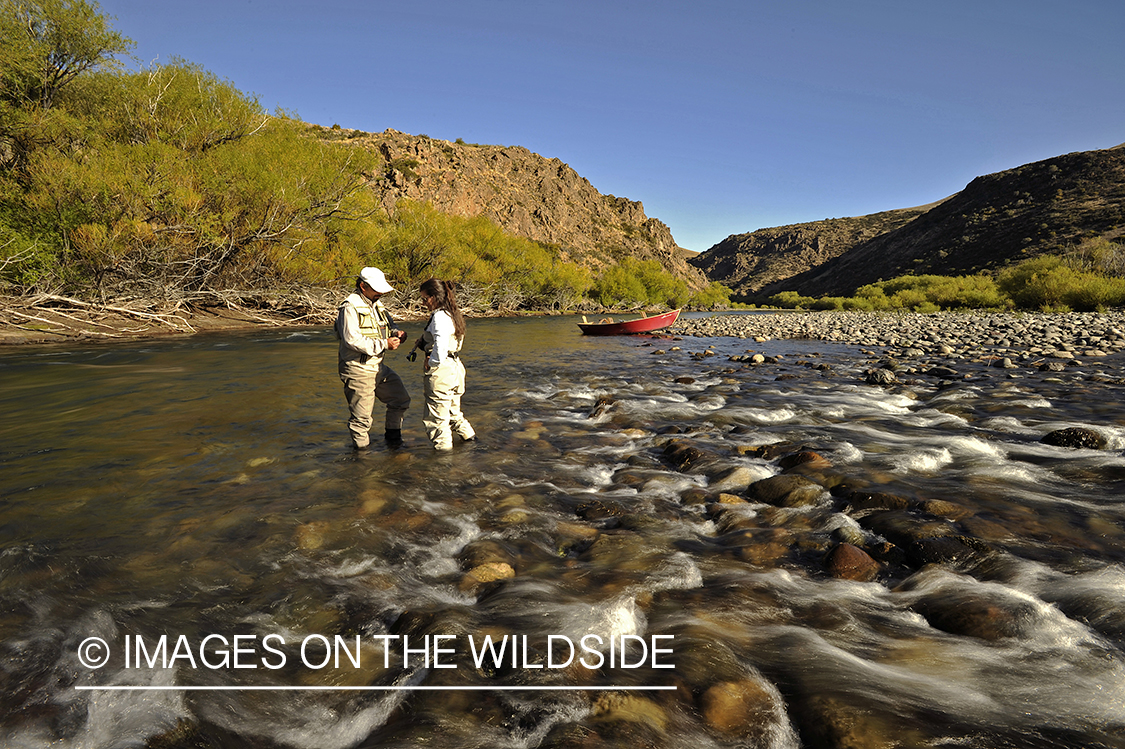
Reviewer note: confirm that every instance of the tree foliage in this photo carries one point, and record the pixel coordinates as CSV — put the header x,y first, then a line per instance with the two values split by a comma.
x,y
170,183
1051,283
49,43
639,281
1085,280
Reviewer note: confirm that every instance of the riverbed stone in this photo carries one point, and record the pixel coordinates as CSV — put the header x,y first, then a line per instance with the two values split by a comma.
x,y
848,562
903,528
834,722
771,451
313,535
761,546
946,550
600,509
696,496
481,575
734,517
880,376
1076,437
685,456
623,706
865,500
743,708
806,459
968,613
485,551
944,509
787,490
621,550
736,479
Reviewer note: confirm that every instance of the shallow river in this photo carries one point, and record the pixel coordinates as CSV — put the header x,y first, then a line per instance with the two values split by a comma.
x,y
192,503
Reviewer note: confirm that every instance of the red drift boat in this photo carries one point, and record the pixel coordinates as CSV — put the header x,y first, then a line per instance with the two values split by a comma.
x,y
643,325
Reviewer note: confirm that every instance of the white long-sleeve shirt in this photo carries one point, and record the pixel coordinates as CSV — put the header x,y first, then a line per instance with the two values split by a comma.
x,y
443,332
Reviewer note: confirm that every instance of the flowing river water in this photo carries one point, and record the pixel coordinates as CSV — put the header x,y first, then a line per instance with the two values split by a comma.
x,y
193,504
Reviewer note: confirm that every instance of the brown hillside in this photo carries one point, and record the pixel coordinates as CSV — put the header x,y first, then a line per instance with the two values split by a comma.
x,y
1045,207
534,197
747,262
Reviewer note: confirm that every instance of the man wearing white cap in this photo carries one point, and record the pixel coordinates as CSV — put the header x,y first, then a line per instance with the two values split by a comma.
x,y
366,333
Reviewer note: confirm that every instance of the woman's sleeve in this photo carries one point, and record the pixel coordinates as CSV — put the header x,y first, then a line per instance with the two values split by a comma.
x,y
443,330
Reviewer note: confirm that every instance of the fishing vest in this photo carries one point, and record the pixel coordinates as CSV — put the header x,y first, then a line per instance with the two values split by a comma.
x,y
374,322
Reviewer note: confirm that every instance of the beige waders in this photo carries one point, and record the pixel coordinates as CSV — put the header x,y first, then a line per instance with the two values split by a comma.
x,y
363,329
443,387
363,384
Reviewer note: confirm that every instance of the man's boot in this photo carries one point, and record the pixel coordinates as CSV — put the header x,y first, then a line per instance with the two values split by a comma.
x,y
394,437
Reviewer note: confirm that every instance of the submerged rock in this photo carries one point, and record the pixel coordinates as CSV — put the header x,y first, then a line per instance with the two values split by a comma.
x,y
848,562
618,706
787,490
861,500
734,479
685,456
880,377
485,551
833,722
489,572
1076,437
946,550
806,458
761,546
742,708
965,612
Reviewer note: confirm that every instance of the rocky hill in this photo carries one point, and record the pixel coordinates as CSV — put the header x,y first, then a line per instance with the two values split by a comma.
x,y
527,194
1049,206
748,262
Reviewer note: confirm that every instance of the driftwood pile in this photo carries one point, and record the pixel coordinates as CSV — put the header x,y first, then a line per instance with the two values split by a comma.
x,y
45,316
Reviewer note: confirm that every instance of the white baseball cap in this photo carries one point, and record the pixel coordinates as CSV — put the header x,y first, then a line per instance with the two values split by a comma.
x,y
374,278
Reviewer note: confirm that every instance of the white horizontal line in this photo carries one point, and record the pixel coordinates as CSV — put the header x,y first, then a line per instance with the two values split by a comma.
x,y
114,688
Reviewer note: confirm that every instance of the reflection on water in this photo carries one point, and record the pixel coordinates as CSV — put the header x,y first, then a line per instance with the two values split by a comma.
x,y
203,486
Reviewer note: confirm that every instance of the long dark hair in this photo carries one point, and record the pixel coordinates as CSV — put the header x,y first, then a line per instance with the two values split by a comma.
x,y
445,293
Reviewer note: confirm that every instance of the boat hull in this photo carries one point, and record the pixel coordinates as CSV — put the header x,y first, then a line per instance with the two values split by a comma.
x,y
630,327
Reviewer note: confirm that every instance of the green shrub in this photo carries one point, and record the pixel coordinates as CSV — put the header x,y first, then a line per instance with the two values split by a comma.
x,y
1049,282
791,300
416,241
633,281
713,296
828,303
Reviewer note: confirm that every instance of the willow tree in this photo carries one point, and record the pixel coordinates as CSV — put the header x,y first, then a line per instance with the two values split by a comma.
x,y
45,46
49,43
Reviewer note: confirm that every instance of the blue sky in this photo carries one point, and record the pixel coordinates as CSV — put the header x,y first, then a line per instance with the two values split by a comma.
x,y
721,117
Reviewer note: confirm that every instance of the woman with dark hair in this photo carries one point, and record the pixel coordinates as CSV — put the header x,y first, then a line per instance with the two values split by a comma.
x,y
444,374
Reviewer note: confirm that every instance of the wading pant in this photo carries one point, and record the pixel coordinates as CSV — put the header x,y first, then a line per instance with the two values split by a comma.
x,y
444,387
363,383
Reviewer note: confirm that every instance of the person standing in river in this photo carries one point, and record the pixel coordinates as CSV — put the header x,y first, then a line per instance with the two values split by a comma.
x,y
443,373
366,333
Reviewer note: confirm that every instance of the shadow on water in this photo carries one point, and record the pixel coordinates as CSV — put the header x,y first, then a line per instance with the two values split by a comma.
x,y
203,486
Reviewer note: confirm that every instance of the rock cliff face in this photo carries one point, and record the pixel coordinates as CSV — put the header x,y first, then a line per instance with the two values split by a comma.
x,y
535,197
1045,207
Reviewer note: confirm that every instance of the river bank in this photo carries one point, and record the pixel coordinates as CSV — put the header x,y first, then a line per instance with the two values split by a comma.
x,y
955,335
1019,337
57,319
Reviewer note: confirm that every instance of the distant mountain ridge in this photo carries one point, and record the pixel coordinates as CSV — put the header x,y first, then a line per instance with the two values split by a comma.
x,y
746,263
1045,207
539,198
